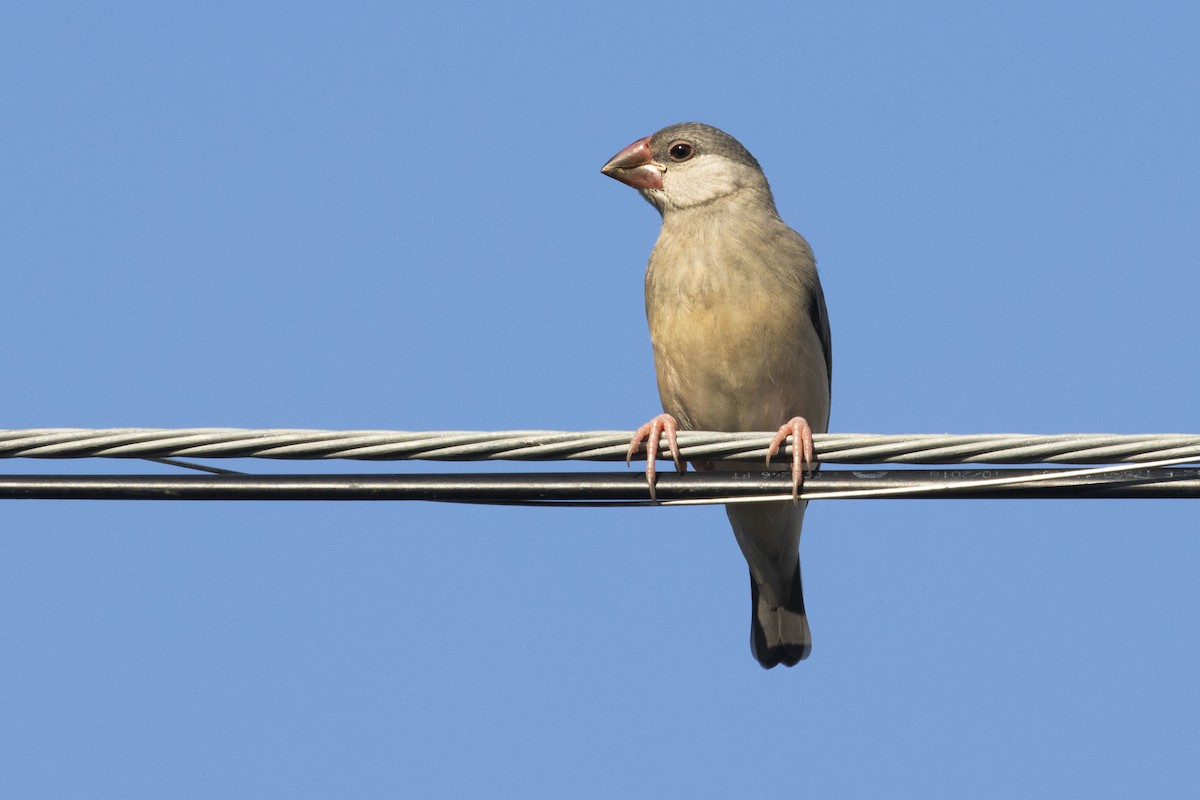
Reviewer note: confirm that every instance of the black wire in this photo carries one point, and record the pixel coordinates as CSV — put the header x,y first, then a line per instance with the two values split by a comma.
x,y
603,488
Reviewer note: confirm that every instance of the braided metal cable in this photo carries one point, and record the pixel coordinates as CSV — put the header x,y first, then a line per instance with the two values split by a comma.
x,y
364,445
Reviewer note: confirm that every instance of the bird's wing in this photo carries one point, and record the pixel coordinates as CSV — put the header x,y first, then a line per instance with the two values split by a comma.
x,y
820,320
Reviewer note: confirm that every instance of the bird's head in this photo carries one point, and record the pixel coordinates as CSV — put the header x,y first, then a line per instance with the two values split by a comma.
x,y
688,165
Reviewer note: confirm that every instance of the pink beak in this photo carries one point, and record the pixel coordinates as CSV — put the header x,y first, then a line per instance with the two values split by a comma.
x,y
635,166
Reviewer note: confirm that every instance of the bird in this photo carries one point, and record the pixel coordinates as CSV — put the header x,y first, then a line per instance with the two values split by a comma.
x,y
741,341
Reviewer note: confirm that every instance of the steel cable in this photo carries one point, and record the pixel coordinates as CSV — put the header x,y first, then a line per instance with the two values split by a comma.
x,y
532,445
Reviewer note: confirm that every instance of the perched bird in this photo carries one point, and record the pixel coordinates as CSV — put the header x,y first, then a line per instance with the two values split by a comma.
x,y
741,343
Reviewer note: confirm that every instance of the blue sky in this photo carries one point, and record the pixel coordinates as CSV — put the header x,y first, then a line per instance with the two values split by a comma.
x,y
370,215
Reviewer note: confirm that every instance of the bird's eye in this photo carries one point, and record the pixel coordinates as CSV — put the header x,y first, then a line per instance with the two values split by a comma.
x,y
681,151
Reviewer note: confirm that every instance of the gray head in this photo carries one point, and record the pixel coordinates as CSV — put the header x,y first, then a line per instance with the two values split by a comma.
x,y
689,165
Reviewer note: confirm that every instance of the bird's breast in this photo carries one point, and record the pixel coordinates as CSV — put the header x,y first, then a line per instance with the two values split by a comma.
x,y
734,350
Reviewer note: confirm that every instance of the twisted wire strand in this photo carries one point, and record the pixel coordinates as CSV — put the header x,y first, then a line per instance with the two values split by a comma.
x,y
533,445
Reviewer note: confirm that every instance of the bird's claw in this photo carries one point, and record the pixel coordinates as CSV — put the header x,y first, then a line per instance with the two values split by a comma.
x,y
802,449
650,432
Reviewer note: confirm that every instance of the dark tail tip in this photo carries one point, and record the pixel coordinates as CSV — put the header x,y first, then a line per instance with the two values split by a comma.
x,y
779,634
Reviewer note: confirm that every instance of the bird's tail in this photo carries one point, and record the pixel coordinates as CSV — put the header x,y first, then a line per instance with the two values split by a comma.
x,y
779,633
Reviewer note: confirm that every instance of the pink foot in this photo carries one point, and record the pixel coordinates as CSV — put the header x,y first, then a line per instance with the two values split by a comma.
x,y
802,449
650,432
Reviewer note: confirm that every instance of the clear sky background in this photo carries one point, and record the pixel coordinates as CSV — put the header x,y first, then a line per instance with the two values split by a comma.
x,y
381,215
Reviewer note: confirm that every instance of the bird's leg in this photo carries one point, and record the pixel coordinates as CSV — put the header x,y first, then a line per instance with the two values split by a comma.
x,y
802,449
650,432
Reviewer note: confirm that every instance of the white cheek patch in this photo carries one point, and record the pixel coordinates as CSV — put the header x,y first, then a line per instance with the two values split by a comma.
x,y
703,181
